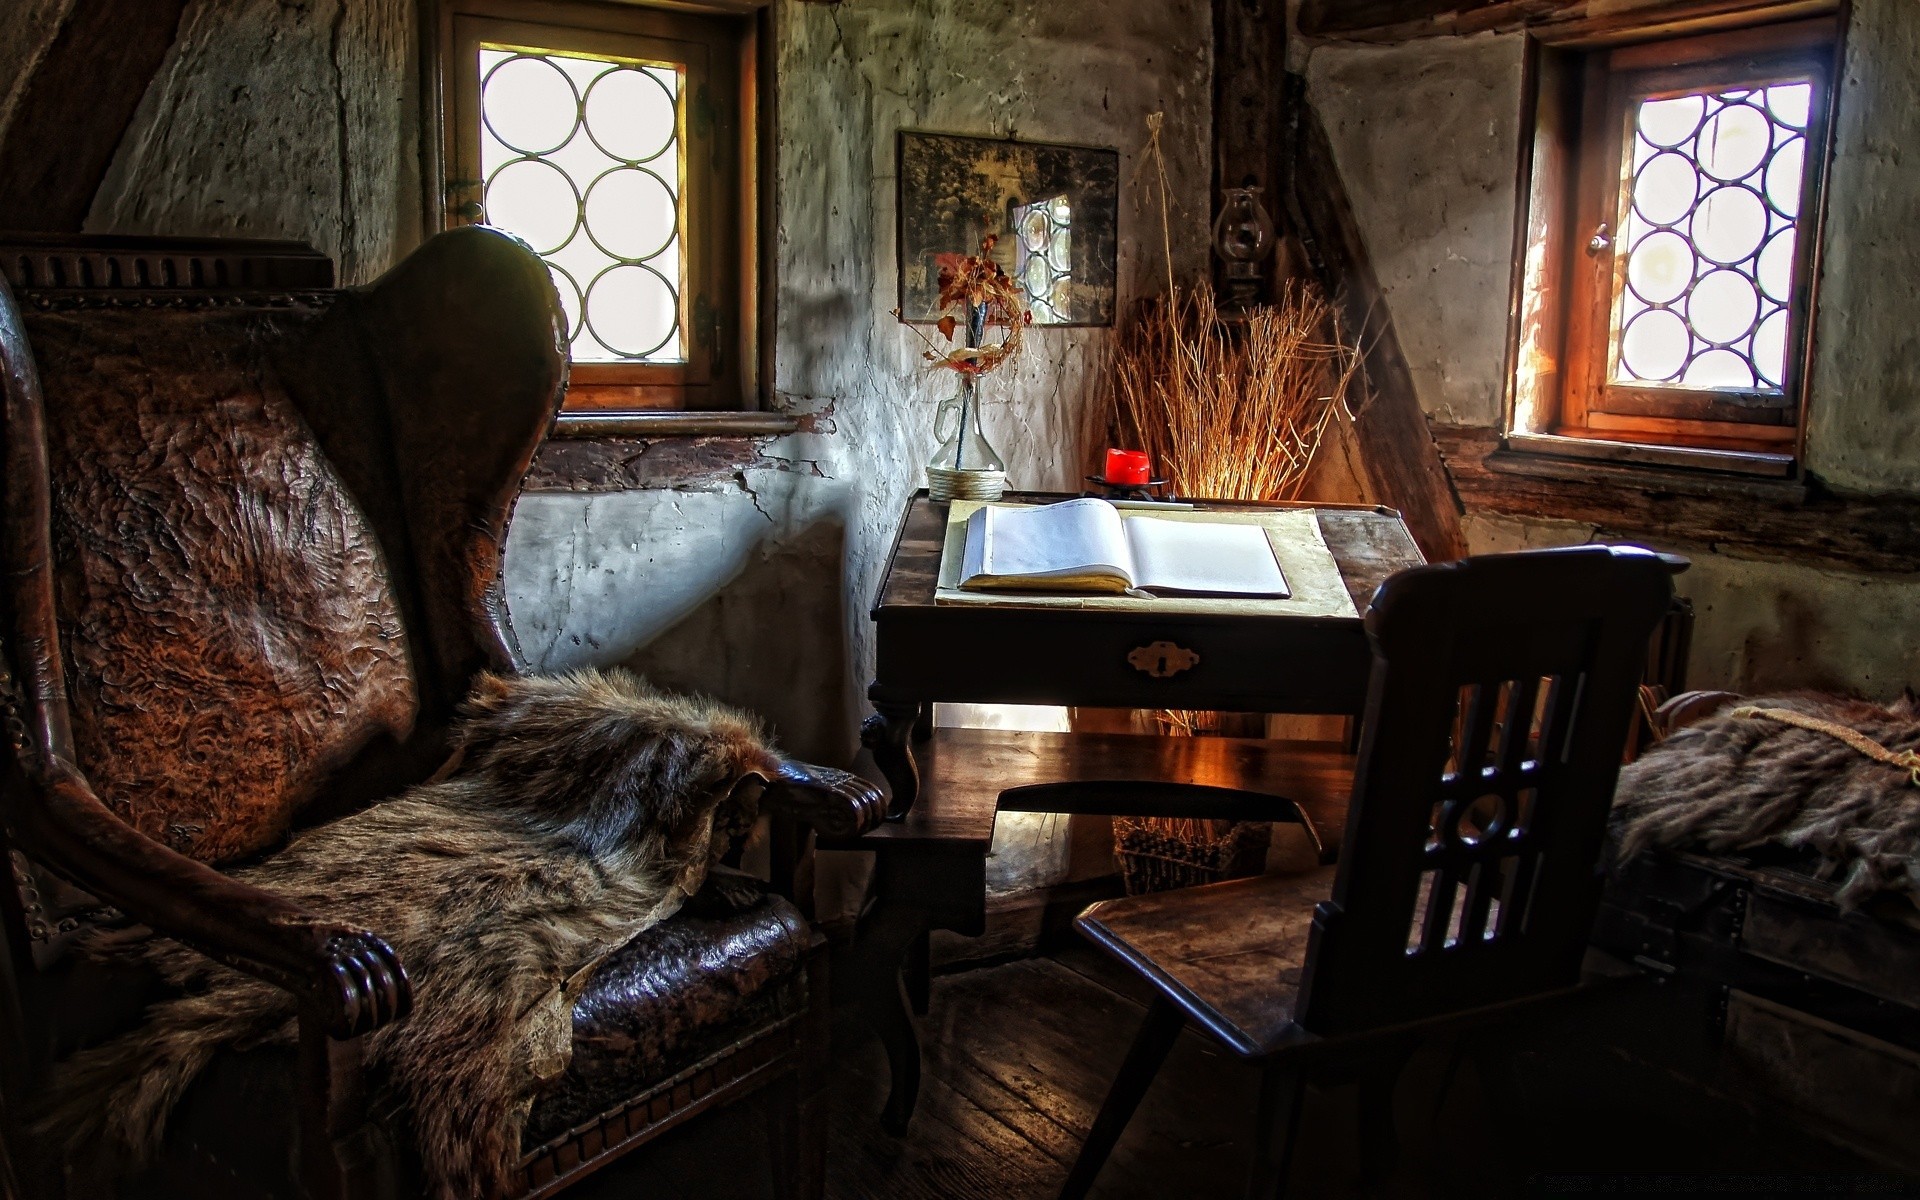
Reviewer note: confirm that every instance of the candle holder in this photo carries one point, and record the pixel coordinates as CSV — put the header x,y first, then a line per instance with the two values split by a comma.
x,y
1146,489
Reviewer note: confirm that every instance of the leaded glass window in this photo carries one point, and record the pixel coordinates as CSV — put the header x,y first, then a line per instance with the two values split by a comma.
x,y
1669,278
582,157
620,141
1711,237
1043,258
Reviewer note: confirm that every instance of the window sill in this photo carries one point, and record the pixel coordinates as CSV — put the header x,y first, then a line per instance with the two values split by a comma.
x,y
675,424
1775,519
637,452
1555,456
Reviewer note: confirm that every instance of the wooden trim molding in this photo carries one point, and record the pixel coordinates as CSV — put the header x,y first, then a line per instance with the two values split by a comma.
x,y
1584,22
1771,519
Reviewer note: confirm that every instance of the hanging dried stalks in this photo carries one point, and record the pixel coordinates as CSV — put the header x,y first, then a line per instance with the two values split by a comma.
x,y
1232,410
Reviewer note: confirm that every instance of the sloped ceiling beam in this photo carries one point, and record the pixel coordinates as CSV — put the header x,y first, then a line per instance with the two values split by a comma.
x,y
76,109
1403,465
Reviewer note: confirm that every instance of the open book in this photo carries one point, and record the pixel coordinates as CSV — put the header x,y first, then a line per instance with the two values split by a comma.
x,y
1089,546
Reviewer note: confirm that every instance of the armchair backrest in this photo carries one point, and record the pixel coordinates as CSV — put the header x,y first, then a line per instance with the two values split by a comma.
x,y
255,539
1503,689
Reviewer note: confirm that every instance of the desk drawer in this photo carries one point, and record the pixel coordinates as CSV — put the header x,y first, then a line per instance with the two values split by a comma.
x,y
1298,665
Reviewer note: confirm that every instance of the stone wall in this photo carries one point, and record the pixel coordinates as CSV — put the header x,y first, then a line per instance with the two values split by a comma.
x,y
1426,136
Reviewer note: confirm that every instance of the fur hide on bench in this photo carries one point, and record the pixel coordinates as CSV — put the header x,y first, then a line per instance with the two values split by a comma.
x,y
1735,781
577,812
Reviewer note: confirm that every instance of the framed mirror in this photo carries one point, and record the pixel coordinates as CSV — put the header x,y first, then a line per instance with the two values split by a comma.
x,y
1053,210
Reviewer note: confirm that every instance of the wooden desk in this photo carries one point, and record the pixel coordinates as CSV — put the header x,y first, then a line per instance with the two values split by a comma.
x,y
927,651
948,785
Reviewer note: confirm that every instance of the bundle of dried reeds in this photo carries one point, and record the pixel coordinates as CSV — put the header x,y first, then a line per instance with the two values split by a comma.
x,y
1232,410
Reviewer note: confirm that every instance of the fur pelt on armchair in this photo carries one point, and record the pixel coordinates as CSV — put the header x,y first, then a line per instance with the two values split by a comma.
x,y
1736,782
579,811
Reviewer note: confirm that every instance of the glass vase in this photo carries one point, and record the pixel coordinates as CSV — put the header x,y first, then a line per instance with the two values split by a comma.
x,y
966,467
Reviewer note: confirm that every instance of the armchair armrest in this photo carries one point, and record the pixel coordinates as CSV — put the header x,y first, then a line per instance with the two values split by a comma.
x,y
838,804
346,978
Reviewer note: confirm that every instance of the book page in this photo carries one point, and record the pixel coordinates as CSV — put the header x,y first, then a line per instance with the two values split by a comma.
x,y
1199,558
1075,545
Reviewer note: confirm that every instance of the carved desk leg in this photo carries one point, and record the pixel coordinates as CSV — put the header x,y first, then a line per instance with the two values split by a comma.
x,y
888,734
916,890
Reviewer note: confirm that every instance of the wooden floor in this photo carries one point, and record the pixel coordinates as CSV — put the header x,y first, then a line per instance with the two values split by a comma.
x,y
1019,1055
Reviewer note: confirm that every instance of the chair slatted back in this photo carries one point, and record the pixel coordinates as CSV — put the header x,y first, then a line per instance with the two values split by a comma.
x,y
1503,690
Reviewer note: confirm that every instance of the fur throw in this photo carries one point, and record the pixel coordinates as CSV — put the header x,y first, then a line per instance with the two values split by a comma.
x,y
1736,783
578,812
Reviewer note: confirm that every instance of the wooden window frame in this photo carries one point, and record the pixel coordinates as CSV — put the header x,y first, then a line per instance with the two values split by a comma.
x,y
723,302
1564,339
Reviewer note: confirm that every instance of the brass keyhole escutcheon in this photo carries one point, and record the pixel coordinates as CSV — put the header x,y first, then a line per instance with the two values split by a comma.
x,y
1162,660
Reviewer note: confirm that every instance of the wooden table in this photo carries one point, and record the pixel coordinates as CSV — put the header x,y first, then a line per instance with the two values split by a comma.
x,y
948,785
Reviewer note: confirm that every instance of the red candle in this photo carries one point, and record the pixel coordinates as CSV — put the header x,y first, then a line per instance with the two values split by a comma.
x,y
1128,466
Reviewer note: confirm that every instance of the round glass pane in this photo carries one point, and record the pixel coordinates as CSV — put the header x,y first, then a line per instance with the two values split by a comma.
x,y
630,114
529,104
1734,142
1776,266
534,200
1723,306
1667,123
1039,279
1719,369
1784,175
1654,347
1729,224
1660,267
569,298
1770,348
631,214
631,309
1035,230
1665,189
1791,103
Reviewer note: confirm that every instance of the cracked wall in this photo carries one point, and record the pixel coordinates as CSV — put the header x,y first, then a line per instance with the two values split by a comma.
x,y
1426,136
757,588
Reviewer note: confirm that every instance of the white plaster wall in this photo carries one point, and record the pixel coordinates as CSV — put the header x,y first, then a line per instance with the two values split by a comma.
x,y
1768,626
1426,136
272,119
1864,431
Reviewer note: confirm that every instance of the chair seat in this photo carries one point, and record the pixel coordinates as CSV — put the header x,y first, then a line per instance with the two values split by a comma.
x,y
679,993
1228,954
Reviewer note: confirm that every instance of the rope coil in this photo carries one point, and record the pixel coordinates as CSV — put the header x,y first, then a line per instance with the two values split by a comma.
x,y
1906,760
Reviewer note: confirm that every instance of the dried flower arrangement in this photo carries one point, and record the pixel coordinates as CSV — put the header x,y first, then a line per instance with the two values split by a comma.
x,y
983,294
974,289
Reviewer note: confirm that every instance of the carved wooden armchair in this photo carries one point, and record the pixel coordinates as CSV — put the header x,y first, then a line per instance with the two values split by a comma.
x,y
253,553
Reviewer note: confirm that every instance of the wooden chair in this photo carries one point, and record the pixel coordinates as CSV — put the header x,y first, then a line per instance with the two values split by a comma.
x,y
1503,688
252,551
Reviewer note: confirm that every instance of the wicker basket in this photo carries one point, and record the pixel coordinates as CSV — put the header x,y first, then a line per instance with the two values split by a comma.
x,y
1158,854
